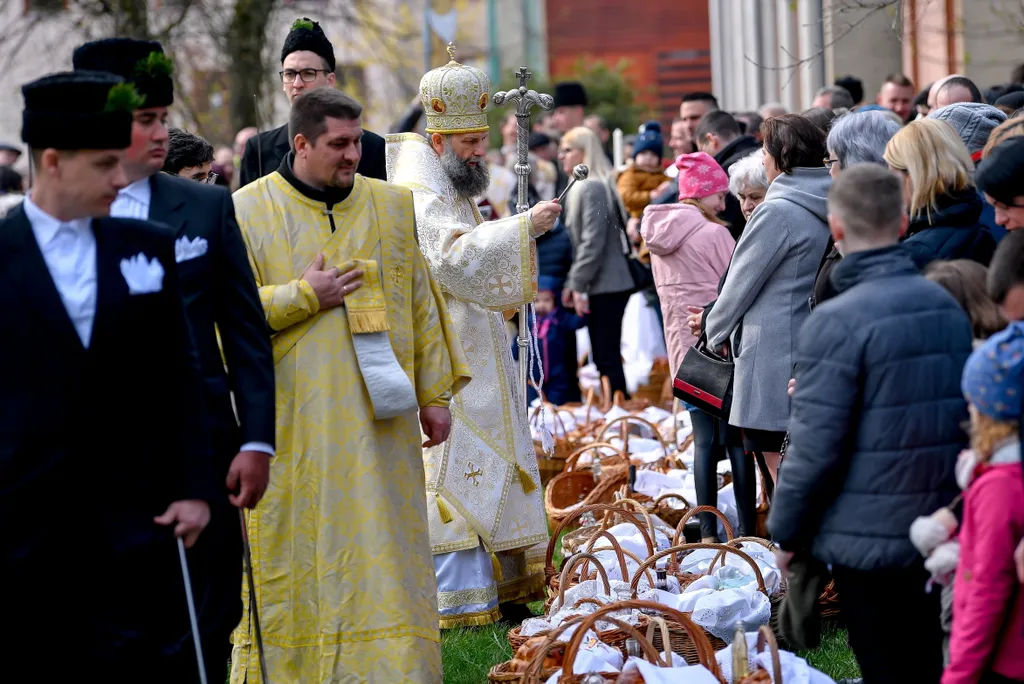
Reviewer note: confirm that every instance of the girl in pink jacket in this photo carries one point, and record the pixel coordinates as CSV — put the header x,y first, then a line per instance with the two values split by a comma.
x,y
690,247
987,642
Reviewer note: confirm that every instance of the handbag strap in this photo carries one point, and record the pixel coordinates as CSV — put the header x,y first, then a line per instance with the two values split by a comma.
x,y
613,205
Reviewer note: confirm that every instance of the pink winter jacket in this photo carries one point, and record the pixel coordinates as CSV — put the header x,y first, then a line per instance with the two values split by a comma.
x,y
689,254
985,636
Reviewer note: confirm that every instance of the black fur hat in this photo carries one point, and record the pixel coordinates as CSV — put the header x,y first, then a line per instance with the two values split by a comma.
x,y
1001,174
140,62
78,110
569,94
306,35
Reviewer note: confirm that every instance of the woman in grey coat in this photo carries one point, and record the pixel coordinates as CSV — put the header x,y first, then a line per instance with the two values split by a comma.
x,y
765,297
599,283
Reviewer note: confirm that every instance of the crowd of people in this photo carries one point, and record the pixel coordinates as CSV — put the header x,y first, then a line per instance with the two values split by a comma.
x,y
328,350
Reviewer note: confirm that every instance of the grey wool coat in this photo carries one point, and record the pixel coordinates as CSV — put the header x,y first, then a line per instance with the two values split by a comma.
x,y
598,243
765,298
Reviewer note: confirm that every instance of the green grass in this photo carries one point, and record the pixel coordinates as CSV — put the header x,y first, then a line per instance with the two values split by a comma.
x,y
469,653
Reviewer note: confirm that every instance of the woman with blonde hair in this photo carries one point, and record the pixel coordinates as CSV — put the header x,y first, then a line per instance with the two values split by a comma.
x,y
943,204
599,283
1011,128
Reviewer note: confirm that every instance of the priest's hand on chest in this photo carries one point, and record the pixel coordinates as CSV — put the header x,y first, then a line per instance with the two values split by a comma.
x,y
437,423
329,284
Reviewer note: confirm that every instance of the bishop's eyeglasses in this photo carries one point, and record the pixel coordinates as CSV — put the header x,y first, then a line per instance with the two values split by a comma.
x,y
307,75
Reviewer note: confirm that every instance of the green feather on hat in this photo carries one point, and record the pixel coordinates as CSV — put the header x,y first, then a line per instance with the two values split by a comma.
x,y
123,98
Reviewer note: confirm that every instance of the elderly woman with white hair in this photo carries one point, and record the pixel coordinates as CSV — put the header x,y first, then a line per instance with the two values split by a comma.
x,y
748,182
854,138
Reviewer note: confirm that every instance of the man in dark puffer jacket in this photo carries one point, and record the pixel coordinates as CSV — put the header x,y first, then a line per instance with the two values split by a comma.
x,y
875,430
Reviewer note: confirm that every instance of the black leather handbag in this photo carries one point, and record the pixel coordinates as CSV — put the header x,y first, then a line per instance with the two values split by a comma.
x,y
704,380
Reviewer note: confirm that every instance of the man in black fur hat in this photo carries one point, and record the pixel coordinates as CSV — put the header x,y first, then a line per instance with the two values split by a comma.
x,y
570,99
307,62
221,296
105,456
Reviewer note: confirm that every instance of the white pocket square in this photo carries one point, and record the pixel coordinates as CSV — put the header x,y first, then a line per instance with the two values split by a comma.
x,y
185,249
142,275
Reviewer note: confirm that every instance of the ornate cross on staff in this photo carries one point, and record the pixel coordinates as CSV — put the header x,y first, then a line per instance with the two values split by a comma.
x,y
524,100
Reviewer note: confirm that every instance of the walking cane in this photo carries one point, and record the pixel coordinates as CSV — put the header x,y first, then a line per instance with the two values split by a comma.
x,y
192,612
253,612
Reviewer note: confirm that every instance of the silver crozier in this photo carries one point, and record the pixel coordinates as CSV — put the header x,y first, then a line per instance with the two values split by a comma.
x,y
524,100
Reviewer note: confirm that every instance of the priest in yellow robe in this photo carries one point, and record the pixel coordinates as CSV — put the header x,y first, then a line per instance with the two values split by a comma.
x,y
362,340
483,488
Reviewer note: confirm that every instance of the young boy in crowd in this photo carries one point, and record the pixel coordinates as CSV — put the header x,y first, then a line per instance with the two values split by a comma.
x,y
556,343
645,178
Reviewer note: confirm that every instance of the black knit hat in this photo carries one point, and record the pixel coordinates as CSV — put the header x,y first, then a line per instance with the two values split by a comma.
x,y
306,35
140,62
78,110
570,94
1001,174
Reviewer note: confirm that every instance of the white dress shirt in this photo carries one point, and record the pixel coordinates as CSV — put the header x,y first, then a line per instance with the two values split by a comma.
x,y
133,202
69,250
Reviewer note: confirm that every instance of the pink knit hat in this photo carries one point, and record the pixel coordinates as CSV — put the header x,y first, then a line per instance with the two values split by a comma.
x,y
700,176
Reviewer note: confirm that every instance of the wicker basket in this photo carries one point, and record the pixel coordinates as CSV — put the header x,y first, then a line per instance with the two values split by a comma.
x,y
694,511
829,601
620,555
765,640
564,443
670,515
776,599
572,488
704,650
550,574
682,641
653,391
624,432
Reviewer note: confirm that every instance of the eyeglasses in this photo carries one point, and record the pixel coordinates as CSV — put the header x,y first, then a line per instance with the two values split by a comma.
x,y
307,75
565,150
830,162
211,178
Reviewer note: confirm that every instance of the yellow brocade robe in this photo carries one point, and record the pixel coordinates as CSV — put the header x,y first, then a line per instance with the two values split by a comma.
x,y
477,477
345,585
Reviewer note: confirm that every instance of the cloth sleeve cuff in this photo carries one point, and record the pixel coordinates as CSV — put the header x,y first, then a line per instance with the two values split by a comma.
x,y
258,446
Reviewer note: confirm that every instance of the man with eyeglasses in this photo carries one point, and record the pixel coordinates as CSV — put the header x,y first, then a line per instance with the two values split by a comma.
x,y
220,296
189,156
307,62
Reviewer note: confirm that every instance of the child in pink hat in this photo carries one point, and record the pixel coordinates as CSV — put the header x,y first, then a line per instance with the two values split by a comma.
x,y
690,246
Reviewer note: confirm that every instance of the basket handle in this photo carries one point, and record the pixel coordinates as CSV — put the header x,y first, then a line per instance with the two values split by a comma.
x,y
567,573
626,501
666,646
766,639
705,651
620,553
626,420
663,497
653,560
701,509
576,641
533,669
570,461
549,556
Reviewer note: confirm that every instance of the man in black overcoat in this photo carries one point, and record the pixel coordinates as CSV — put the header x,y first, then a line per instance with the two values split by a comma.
x,y
104,455
221,300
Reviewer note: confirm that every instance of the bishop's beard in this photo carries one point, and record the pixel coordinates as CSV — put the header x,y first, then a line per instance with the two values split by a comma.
x,y
469,181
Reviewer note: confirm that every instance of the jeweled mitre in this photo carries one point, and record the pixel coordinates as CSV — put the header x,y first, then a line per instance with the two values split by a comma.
x,y
455,98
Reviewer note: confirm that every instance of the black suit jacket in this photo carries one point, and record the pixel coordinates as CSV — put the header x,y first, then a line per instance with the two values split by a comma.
x,y
95,442
274,146
219,289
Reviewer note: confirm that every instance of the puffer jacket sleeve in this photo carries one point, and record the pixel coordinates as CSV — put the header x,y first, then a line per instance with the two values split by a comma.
x,y
827,392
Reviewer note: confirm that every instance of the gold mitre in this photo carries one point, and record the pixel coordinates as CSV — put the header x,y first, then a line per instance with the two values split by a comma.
x,y
455,98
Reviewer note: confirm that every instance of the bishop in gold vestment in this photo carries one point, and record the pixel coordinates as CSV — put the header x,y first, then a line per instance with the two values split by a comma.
x,y
340,546
483,487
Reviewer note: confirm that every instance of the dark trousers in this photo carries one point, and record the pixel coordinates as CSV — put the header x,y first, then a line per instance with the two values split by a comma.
x,y
604,322
709,449
893,624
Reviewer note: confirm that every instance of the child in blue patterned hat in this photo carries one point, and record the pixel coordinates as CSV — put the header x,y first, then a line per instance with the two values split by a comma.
x,y
987,642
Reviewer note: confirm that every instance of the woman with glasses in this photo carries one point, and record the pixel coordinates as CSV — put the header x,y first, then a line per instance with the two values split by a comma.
x,y
938,187
599,283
